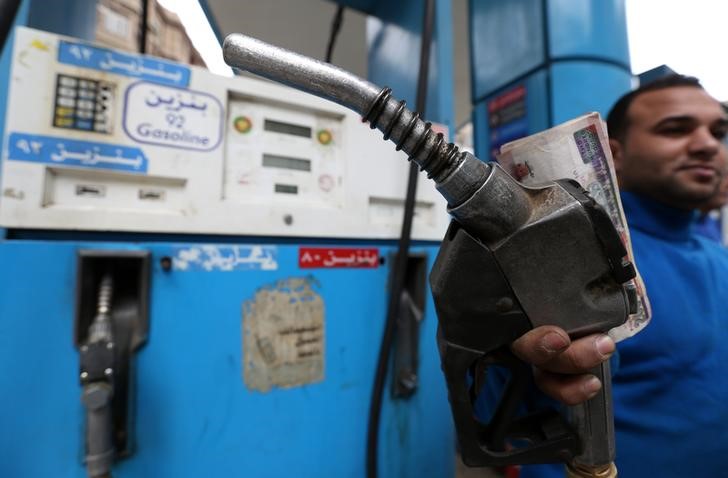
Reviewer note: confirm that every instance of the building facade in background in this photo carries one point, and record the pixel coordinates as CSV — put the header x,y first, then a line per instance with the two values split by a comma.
x,y
119,25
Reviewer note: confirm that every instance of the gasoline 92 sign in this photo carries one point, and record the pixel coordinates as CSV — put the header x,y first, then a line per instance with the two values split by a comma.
x,y
172,117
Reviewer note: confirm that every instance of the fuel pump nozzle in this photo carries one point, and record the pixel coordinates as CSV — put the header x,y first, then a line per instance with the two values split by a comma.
x,y
97,370
513,258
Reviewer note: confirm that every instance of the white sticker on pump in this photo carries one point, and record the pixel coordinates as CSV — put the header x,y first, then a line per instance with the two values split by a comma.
x,y
213,257
283,335
173,117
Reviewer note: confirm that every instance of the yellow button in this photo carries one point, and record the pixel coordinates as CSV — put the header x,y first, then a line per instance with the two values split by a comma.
x,y
64,121
242,124
64,111
325,137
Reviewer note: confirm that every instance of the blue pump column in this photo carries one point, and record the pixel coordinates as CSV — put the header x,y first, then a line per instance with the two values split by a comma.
x,y
538,63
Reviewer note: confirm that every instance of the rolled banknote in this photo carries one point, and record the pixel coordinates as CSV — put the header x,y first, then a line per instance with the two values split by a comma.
x,y
579,149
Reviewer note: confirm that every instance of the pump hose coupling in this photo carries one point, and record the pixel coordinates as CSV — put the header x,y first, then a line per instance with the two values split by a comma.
x,y
574,470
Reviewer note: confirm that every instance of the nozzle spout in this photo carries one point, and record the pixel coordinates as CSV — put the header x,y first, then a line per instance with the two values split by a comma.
x,y
298,71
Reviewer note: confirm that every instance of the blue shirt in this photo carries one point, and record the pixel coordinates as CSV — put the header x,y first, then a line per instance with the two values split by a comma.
x,y
709,226
670,389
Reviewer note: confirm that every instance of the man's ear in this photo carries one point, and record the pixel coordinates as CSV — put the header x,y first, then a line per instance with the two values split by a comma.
x,y
617,153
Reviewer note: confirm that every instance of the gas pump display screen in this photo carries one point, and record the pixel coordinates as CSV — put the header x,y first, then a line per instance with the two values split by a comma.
x,y
286,162
287,128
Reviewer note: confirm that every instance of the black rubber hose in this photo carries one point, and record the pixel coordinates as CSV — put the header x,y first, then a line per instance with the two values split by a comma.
x,y
335,27
401,259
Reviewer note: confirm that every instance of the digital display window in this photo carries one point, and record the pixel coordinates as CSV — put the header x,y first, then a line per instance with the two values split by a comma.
x,y
286,128
286,162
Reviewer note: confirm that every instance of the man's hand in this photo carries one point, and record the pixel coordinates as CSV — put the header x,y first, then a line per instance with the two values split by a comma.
x,y
561,365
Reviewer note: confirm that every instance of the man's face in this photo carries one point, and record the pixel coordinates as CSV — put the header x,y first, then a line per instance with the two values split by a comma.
x,y
673,151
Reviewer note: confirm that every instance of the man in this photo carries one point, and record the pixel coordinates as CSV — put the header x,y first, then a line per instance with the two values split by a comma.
x,y
670,381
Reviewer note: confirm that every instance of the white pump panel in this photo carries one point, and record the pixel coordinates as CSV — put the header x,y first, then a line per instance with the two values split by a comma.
x,y
103,140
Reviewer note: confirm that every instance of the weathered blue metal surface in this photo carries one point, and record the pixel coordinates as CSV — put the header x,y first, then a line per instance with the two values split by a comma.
x,y
588,28
506,41
76,18
581,87
195,416
571,57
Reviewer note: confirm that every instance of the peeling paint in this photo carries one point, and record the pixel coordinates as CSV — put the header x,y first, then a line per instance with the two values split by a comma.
x,y
39,45
283,335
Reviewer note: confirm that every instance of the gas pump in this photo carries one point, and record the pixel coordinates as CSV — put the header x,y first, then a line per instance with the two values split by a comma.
x,y
194,276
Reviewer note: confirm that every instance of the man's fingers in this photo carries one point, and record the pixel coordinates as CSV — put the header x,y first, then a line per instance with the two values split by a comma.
x,y
540,345
550,349
582,355
568,389
560,364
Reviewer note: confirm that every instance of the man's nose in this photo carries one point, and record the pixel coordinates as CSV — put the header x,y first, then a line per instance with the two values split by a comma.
x,y
703,144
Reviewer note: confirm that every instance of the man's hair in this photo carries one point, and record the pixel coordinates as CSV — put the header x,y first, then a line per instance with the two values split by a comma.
x,y
617,121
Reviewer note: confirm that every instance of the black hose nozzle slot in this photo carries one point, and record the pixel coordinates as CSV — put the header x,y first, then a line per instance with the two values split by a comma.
x,y
110,326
